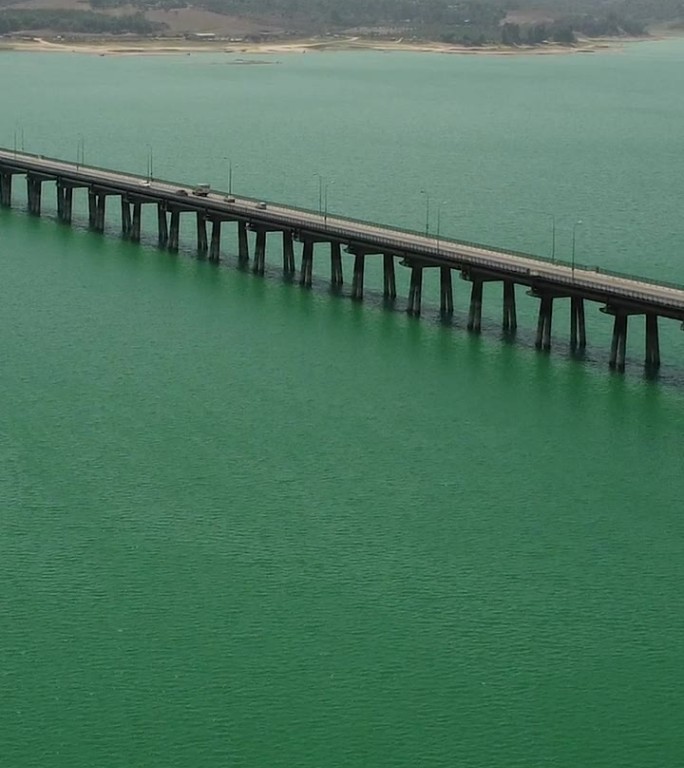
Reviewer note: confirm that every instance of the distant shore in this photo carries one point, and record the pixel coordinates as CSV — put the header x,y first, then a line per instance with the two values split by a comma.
x,y
161,46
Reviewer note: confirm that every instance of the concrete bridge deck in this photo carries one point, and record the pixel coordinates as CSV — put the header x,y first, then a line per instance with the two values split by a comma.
x,y
622,295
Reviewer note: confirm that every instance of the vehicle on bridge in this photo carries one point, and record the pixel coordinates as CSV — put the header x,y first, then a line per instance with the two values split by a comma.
x,y
201,190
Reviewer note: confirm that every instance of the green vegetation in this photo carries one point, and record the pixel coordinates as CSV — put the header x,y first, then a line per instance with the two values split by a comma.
x,y
469,22
18,20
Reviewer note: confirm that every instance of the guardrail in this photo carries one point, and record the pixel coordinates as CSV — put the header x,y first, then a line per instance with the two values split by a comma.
x,y
443,248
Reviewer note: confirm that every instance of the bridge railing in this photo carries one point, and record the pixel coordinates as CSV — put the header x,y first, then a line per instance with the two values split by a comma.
x,y
328,226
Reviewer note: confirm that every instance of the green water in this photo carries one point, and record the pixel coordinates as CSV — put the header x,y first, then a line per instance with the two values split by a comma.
x,y
247,525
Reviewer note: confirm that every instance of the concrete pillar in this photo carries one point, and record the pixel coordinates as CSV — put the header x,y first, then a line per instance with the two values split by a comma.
x,y
202,245
510,318
101,211
357,281
475,312
259,266
215,247
652,361
126,222
415,291
306,275
5,189
619,342
67,203
162,225
446,293
336,276
578,333
243,243
135,226
389,289
288,254
34,188
174,230
60,202
544,322
92,208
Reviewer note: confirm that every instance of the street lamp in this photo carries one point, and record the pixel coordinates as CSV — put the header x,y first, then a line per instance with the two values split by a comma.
x,y
325,202
150,162
80,151
574,233
230,174
18,129
439,217
320,192
427,211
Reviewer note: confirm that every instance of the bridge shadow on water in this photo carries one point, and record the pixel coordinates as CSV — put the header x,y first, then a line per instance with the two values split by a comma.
x,y
593,358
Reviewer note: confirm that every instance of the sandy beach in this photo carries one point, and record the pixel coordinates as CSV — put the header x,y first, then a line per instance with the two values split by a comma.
x,y
167,46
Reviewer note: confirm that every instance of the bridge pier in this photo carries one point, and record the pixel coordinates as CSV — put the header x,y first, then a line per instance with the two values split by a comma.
x,y
289,267
510,319
578,333
619,342
174,230
389,287
215,245
126,221
259,266
306,275
544,322
65,202
162,225
446,292
202,243
137,222
475,311
415,290
34,189
357,279
336,275
243,243
5,189
652,361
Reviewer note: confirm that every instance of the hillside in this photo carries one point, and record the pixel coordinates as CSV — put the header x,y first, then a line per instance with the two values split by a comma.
x,y
465,22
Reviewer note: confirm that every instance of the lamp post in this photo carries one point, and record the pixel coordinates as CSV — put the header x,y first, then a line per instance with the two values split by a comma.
x,y
230,174
574,234
150,163
320,192
80,151
427,211
18,131
439,218
325,202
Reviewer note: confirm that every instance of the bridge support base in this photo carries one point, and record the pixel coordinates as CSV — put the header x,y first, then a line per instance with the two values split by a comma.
x,y
34,189
5,190
215,245
475,312
202,243
543,340
619,343
578,333
162,225
288,254
65,199
243,243
389,288
259,266
446,292
336,276
306,275
510,318
415,291
357,280
174,231
652,361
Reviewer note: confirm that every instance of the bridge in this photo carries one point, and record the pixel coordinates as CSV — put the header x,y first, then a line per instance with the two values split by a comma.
x,y
620,296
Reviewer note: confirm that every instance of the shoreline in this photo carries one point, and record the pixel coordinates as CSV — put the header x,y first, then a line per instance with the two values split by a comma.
x,y
174,46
